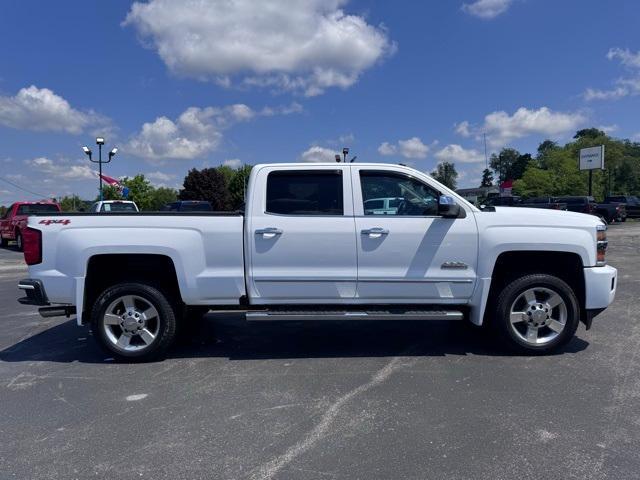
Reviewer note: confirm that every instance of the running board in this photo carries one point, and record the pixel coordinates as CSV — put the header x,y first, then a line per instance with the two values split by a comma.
x,y
355,315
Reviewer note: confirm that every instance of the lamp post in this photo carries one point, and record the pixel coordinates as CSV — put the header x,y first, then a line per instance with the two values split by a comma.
x,y
87,151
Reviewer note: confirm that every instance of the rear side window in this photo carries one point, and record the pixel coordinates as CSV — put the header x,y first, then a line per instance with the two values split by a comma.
x,y
305,192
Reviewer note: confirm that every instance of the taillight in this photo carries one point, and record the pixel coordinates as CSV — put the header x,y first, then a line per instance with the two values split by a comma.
x,y
601,245
32,245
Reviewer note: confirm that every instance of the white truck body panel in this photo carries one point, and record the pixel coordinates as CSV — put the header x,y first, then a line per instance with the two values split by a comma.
x,y
322,259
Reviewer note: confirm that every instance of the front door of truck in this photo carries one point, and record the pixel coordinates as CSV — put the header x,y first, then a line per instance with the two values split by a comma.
x,y
408,253
301,236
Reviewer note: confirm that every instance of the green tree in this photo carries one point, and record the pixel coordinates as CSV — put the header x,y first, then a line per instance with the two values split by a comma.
x,y
207,184
535,182
591,133
140,191
446,174
71,203
227,172
238,186
109,192
487,178
161,196
510,164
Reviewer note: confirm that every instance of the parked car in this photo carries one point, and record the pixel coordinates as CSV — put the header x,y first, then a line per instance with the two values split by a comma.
x,y
511,201
107,206
585,204
306,249
14,221
188,206
543,202
382,206
632,204
612,212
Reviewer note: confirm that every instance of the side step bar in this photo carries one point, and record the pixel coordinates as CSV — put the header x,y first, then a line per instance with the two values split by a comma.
x,y
355,315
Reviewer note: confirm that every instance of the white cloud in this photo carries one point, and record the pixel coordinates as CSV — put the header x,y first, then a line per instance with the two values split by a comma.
x,y
41,109
410,148
305,46
608,128
623,87
317,154
386,148
502,128
487,9
626,57
463,129
62,169
457,154
197,131
612,94
233,163
159,176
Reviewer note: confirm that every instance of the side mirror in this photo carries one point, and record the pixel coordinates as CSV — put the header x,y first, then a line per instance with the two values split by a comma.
x,y
447,207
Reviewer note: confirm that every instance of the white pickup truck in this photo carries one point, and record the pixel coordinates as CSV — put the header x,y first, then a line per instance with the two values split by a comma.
x,y
307,248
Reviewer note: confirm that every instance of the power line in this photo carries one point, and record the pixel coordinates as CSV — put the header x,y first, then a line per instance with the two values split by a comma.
x,y
22,188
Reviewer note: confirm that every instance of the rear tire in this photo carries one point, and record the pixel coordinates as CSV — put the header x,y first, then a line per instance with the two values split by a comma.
x,y
133,322
537,314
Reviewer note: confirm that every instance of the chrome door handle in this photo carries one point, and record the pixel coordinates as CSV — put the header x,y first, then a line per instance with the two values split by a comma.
x,y
375,232
269,232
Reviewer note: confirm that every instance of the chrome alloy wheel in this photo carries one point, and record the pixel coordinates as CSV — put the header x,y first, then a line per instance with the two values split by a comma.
x,y
538,316
131,323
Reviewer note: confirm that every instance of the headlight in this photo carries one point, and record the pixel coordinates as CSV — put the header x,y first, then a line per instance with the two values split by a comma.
x,y
601,245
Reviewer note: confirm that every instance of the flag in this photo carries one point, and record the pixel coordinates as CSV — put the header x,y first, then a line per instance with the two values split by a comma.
x,y
110,180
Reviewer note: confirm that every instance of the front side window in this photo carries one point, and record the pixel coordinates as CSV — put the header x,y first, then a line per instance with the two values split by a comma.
x,y
310,192
401,194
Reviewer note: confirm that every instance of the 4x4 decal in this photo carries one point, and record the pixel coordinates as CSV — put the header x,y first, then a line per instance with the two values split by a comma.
x,y
64,221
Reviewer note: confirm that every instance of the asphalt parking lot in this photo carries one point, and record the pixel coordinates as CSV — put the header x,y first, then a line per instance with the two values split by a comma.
x,y
324,400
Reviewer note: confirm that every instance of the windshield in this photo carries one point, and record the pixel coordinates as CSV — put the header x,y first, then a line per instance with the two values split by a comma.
x,y
119,207
30,209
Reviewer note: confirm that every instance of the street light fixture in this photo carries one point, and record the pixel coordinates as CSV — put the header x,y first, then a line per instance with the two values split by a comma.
x,y
87,151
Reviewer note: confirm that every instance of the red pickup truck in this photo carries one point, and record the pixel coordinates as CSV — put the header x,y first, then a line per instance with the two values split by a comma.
x,y
15,219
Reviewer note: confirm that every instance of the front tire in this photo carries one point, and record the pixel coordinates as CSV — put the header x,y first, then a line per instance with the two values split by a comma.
x,y
133,322
4,243
537,314
19,244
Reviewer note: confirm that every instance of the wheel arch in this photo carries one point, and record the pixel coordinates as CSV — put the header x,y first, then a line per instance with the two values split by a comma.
x,y
509,265
105,270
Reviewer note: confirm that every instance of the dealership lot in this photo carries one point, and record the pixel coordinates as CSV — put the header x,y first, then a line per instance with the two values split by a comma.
x,y
323,400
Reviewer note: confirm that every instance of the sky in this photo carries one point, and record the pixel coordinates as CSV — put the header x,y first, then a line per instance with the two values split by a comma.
x,y
188,84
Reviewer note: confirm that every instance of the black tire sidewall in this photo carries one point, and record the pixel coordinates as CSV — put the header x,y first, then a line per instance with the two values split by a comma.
x,y
166,317
517,287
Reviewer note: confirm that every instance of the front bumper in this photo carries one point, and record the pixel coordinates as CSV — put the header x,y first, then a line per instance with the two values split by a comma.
x,y
34,290
600,286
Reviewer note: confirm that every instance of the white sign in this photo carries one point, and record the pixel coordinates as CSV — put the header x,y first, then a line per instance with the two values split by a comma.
x,y
592,158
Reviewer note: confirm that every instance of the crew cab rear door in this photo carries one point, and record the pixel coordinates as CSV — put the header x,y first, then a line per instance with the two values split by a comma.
x,y
410,254
300,235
